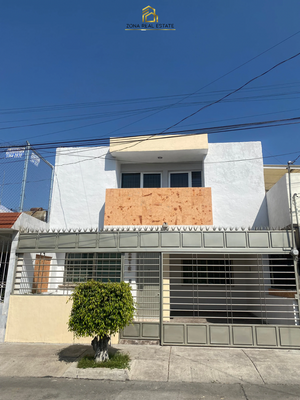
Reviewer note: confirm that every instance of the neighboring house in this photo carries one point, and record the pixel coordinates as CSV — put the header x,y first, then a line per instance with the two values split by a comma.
x,y
278,196
185,222
10,224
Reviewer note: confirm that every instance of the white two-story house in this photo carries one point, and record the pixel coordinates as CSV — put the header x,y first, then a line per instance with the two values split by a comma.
x,y
184,222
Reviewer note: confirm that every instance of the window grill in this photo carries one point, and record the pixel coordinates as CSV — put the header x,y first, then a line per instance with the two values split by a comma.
x,y
104,267
59,273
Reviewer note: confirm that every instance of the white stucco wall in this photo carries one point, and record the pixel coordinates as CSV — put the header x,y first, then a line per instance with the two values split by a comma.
x,y
238,191
26,221
81,178
279,203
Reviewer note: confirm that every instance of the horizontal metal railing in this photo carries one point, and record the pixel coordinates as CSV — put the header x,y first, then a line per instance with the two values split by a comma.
x,y
214,288
59,274
202,288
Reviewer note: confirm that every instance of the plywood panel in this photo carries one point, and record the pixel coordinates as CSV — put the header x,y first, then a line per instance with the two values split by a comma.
x,y
41,274
176,206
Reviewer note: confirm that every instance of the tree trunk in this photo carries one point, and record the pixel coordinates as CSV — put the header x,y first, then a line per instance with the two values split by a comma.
x,y
100,346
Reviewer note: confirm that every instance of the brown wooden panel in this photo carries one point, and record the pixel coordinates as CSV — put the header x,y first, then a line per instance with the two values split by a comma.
x,y
41,274
176,206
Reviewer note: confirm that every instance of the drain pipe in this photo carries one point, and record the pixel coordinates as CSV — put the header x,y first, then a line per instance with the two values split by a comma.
x,y
294,251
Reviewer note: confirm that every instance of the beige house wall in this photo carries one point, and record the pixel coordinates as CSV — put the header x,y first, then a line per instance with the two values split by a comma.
x,y
41,319
176,206
159,143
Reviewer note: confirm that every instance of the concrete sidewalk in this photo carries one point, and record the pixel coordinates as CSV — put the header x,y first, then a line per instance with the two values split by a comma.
x,y
156,363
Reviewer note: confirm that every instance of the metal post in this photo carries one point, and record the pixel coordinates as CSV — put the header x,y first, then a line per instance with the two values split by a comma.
x,y
27,151
296,211
291,204
294,251
50,194
161,299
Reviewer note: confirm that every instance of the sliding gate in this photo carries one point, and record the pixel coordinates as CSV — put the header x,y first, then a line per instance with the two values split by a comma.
x,y
213,299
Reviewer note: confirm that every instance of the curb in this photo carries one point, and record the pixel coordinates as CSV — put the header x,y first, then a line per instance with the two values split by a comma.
x,y
96,373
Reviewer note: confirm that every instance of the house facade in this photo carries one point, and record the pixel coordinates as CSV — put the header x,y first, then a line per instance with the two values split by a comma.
x,y
10,225
184,222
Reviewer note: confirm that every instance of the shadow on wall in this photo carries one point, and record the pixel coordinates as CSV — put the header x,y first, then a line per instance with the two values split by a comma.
x,y
101,218
262,219
110,162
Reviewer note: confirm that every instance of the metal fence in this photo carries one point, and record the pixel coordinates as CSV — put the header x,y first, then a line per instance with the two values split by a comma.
x,y
230,288
25,180
197,288
60,273
183,298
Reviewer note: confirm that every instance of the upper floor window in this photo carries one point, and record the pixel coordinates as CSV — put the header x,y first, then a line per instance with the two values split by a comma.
x,y
151,180
185,179
144,180
131,180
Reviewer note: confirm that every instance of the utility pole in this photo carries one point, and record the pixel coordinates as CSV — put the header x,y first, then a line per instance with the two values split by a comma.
x,y
27,151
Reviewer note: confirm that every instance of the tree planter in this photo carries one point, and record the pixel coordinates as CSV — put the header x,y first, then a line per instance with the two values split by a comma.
x,y
101,310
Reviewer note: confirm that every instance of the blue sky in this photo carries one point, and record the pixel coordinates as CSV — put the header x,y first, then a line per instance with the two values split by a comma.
x,y
77,58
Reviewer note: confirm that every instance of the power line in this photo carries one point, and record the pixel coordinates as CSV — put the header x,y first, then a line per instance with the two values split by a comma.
x,y
234,91
105,103
208,130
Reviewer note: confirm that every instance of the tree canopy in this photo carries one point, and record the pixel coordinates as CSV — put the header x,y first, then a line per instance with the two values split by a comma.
x,y
101,309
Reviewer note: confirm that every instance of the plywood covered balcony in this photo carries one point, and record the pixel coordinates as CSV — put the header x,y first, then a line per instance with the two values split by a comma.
x,y
176,206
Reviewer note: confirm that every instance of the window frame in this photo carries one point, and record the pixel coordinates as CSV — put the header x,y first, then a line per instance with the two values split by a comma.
x,y
142,178
189,177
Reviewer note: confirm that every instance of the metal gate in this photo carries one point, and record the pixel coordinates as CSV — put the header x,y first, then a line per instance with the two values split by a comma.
x,y
142,271
237,300
230,300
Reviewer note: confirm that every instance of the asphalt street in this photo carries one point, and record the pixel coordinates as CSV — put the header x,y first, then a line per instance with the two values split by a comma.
x,y
63,389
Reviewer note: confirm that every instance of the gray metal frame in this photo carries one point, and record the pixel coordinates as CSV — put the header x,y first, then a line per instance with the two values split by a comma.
x,y
218,242
260,241
211,335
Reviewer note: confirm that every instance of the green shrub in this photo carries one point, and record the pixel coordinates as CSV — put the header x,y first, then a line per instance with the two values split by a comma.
x,y
100,309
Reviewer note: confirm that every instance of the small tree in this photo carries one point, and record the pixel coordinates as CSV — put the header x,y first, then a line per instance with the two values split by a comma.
x,y
100,310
